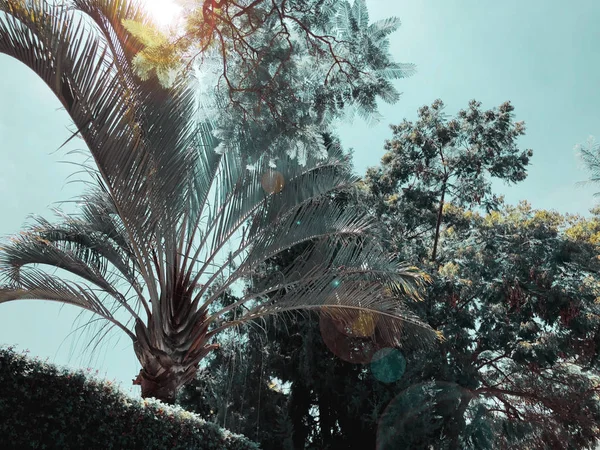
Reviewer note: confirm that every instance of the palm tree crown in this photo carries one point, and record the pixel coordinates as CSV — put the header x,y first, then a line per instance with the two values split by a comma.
x,y
151,236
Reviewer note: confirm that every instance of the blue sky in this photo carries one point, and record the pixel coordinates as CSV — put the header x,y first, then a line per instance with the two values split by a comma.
x,y
544,56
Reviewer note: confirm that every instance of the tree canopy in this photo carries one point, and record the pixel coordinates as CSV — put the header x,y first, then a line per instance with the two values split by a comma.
x,y
172,221
514,292
217,213
282,71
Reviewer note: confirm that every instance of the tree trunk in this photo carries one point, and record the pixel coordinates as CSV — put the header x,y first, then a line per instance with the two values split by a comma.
x,y
166,385
163,388
168,361
354,430
458,422
326,420
300,403
438,224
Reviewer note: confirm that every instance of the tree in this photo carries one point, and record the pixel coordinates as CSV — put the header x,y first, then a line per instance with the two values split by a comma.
x,y
521,330
283,70
150,243
589,153
437,161
514,292
507,295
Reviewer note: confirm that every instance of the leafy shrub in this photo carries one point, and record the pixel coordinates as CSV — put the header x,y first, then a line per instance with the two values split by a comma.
x,y
45,407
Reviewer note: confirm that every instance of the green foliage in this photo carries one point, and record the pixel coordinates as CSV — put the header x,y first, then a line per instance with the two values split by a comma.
x,y
514,292
151,237
155,59
283,70
437,160
522,327
42,406
242,396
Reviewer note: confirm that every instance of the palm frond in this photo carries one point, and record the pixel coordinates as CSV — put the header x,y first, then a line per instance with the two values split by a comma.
x,y
93,248
204,174
109,16
30,248
100,215
314,221
241,195
36,285
340,280
119,122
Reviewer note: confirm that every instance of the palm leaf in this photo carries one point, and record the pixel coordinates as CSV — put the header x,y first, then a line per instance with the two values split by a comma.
x,y
36,285
339,281
77,65
172,224
109,15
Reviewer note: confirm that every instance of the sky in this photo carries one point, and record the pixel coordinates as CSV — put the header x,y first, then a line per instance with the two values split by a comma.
x,y
542,55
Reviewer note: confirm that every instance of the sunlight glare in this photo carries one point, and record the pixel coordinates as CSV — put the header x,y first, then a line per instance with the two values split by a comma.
x,y
163,12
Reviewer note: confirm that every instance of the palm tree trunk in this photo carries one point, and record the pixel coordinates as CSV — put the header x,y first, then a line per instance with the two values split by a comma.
x,y
163,387
165,371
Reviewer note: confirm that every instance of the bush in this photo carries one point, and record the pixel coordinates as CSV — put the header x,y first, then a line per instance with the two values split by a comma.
x,y
45,407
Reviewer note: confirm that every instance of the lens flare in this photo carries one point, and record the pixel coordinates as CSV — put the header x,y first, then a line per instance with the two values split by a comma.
x,y
388,365
364,324
163,12
272,182
351,349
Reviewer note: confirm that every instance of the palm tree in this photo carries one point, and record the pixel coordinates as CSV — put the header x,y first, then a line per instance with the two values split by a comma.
x,y
151,237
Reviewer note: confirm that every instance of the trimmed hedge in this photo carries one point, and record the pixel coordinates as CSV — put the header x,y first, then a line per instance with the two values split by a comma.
x,y
45,407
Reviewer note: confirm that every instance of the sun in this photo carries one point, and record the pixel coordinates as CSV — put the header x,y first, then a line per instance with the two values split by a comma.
x,y
163,12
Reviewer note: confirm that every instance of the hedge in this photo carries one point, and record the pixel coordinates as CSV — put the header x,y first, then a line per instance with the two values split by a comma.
x,y
46,407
